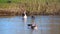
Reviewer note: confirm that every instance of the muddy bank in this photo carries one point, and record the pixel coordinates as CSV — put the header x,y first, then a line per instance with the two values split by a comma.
x,y
19,13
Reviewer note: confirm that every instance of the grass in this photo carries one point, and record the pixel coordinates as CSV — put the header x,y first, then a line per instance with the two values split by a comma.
x,y
32,6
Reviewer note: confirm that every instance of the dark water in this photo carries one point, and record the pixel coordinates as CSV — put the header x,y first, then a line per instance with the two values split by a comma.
x,y
16,25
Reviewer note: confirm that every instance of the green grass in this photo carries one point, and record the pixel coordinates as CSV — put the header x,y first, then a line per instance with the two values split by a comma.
x,y
4,4
5,1
13,1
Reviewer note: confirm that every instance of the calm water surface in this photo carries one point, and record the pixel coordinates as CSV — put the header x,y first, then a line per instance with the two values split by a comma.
x,y
16,25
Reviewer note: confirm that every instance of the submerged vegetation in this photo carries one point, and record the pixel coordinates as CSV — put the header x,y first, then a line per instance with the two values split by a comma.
x,y
32,7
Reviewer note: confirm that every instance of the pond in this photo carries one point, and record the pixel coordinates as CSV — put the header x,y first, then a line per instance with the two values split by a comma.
x,y
16,25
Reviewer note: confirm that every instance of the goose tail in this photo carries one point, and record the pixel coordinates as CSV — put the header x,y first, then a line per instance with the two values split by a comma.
x,y
36,28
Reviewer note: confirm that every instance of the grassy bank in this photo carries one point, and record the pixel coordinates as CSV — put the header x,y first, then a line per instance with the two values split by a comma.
x,y
32,7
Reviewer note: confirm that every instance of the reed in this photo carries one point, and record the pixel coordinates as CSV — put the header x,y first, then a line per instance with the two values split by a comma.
x,y
33,7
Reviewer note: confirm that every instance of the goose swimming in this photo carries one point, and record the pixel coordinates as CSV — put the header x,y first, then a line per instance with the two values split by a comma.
x,y
25,16
33,26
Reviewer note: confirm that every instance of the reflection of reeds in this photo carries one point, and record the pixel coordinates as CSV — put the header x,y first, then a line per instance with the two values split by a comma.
x,y
36,7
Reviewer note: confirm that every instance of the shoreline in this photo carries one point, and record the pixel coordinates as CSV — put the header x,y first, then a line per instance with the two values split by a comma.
x,y
19,13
